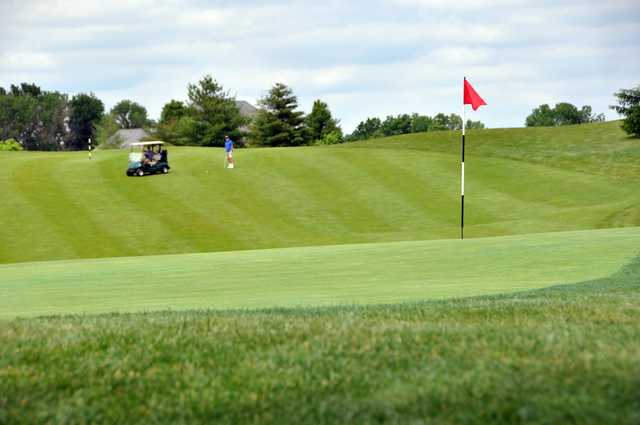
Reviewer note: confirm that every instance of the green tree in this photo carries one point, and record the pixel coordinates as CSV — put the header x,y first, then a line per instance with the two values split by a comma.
x,y
454,122
393,126
542,116
566,114
404,124
278,122
563,113
369,128
212,113
129,114
34,117
629,106
104,130
441,122
320,122
167,128
26,89
420,123
172,111
85,112
474,125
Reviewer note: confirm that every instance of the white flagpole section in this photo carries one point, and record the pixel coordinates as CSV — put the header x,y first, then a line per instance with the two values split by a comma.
x,y
462,170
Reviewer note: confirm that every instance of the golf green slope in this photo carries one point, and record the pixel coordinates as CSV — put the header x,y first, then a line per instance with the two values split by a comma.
x,y
315,276
63,206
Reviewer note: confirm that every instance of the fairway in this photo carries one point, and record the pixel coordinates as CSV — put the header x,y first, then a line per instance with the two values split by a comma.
x,y
63,206
315,276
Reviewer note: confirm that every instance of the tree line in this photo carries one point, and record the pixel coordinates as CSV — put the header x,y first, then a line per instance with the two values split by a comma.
x,y
562,114
211,112
406,124
36,119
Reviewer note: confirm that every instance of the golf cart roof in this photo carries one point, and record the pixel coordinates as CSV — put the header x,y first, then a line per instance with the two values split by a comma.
x,y
157,142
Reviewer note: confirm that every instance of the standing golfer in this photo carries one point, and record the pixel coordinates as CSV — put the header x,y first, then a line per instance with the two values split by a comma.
x,y
228,150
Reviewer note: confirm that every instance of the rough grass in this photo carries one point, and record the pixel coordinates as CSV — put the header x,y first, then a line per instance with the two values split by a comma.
x,y
597,148
567,354
63,206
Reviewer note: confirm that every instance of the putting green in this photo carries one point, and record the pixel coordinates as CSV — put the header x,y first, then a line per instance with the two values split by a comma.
x,y
314,276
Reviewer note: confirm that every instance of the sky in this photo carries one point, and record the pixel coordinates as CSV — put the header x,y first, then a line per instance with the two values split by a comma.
x,y
364,58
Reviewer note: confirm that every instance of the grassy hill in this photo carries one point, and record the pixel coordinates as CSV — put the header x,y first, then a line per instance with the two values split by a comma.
x,y
63,206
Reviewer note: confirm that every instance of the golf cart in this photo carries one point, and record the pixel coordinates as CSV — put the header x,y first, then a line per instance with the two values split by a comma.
x,y
147,158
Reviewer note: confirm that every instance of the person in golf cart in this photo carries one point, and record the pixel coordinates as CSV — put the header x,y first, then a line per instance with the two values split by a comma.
x,y
148,155
148,158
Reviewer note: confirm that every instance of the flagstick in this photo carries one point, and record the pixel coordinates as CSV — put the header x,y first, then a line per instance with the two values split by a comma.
x,y
462,176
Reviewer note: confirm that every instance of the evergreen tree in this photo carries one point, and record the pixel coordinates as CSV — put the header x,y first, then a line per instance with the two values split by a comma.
x,y
212,113
278,123
86,111
320,123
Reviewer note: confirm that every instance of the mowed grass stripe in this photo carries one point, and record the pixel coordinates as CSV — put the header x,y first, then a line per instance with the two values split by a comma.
x,y
397,189
314,276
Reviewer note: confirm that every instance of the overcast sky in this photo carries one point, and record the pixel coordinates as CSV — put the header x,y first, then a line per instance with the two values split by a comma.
x,y
365,58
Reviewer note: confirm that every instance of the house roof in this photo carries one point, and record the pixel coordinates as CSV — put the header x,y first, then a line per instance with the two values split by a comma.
x,y
129,136
246,109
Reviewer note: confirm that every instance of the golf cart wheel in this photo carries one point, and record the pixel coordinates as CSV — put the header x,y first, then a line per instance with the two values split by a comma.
x,y
165,170
140,173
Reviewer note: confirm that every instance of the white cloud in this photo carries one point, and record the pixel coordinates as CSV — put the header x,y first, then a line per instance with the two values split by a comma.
x,y
18,61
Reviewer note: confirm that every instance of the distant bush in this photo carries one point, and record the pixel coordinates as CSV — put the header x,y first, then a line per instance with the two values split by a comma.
x,y
333,138
10,145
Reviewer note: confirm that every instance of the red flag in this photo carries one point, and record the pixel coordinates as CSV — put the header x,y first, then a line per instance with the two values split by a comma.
x,y
471,97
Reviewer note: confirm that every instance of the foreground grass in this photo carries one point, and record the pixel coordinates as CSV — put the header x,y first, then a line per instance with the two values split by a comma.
x,y
567,354
315,276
